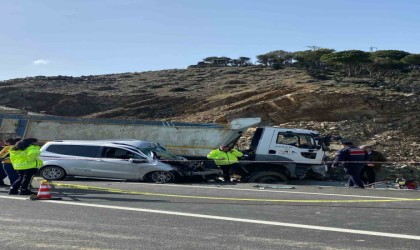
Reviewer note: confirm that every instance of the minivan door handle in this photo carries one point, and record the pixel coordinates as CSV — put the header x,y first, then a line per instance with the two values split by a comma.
x,y
272,151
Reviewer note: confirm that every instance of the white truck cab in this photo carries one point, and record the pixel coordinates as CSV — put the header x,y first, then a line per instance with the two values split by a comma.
x,y
277,154
298,145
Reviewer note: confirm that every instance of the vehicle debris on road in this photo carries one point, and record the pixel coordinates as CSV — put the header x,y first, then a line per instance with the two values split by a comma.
x,y
274,187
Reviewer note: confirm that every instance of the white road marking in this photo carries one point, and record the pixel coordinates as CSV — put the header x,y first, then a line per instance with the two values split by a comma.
x,y
223,218
265,190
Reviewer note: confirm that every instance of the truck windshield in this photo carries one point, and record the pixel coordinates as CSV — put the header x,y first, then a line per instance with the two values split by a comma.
x,y
297,140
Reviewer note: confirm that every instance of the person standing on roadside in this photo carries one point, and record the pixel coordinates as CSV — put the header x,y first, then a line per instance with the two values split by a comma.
x,y
373,169
7,165
352,159
227,159
3,174
24,157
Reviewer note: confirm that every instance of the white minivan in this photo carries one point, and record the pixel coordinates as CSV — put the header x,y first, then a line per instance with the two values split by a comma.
x,y
132,160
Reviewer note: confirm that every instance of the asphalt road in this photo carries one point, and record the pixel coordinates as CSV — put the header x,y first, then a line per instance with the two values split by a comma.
x,y
119,215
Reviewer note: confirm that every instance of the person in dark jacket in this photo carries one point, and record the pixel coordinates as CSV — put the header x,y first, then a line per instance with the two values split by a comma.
x,y
372,172
352,159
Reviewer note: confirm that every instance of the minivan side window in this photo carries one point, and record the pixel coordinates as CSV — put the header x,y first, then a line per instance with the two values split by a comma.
x,y
76,150
119,153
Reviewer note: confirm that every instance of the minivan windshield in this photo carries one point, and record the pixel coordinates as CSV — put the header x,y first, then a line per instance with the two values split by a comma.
x,y
160,152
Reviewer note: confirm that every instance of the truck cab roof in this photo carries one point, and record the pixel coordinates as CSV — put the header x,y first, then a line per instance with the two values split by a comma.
x,y
293,130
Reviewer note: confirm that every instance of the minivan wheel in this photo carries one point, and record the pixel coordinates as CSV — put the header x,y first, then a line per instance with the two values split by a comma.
x,y
51,173
161,177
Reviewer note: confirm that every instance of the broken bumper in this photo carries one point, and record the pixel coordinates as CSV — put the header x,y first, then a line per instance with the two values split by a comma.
x,y
204,172
320,169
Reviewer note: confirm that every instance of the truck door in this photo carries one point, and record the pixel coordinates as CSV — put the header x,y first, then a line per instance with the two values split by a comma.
x,y
298,147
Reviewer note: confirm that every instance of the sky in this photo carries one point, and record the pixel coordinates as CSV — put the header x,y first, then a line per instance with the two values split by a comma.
x,y
93,37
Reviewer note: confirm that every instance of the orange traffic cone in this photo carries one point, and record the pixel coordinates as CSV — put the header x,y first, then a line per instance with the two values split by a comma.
x,y
43,192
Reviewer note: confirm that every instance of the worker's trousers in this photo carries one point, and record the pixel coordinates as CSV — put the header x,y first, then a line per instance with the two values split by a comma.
x,y
10,172
232,169
354,175
21,185
368,175
3,175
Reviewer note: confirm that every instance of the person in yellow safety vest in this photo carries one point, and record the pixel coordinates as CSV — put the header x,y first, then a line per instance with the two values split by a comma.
x,y
24,157
7,166
3,174
227,159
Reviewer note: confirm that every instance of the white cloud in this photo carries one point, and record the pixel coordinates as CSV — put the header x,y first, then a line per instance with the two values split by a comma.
x,y
41,62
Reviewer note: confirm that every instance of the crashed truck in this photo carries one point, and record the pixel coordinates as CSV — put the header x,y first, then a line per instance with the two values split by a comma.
x,y
275,154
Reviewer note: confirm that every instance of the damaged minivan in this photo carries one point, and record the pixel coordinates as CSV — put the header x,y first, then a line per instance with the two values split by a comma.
x,y
132,160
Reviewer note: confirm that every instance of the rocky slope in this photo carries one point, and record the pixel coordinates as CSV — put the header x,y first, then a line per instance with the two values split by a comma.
x,y
385,114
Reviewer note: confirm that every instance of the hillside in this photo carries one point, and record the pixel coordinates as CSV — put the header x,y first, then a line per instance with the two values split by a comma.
x,y
384,114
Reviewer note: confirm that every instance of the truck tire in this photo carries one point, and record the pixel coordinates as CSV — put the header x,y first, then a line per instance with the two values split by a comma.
x,y
267,177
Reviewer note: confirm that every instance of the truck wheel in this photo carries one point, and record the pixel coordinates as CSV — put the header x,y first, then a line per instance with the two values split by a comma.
x,y
267,177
